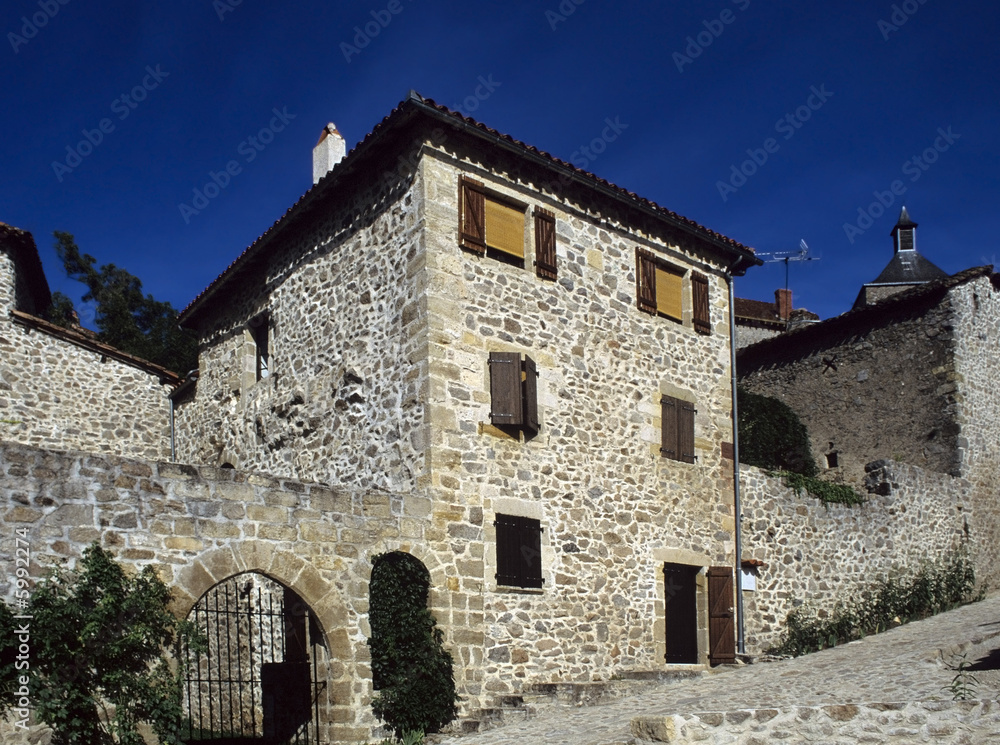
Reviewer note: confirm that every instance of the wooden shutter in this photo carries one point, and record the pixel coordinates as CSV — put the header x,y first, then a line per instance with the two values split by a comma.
x,y
668,430
530,394
504,228
505,389
472,198
685,431
699,293
669,293
545,244
519,551
645,280
721,628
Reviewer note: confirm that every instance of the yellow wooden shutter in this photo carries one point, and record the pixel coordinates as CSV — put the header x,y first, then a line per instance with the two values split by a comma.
x,y
505,228
668,294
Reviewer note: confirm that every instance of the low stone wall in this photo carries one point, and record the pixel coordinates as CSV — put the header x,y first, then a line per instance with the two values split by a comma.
x,y
923,721
817,555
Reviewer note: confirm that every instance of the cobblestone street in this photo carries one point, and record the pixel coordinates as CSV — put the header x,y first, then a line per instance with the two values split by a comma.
x,y
907,664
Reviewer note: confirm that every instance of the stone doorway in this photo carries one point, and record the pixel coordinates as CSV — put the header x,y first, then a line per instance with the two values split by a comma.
x,y
257,680
681,606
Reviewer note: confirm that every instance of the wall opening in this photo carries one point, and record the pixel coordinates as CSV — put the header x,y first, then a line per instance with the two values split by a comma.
x,y
681,606
261,676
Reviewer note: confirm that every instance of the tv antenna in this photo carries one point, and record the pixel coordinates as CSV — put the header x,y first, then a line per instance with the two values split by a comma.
x,y
787,257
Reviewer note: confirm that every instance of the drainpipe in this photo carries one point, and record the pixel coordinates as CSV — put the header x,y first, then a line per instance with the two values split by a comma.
x,y
173,449
740,641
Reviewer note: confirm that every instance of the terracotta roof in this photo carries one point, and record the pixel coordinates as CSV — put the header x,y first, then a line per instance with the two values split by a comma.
x,y
85,338
416,104
28,262
755,310
860,317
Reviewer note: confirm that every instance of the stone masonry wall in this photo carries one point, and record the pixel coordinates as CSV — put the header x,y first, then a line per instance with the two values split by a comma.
x,y
613,510
56,394
818,555
198,526
343,299
886,391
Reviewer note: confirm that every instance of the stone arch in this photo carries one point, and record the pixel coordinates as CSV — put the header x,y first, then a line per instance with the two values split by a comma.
x,y
439,580
216,565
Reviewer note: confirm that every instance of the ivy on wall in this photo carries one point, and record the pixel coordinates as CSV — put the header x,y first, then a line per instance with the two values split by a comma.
x,y
772,436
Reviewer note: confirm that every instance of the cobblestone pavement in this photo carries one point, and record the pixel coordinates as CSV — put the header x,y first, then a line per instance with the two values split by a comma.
x,y
908,663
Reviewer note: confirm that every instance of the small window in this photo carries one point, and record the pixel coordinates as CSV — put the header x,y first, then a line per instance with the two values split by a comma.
x,y
260,331
519,551
491,224
659,286
677,431
832,460
513,391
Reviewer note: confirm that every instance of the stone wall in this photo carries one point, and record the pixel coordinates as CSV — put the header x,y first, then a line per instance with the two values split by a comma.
x,y
198,526
55,393
882,387
613,510
747,334
817,555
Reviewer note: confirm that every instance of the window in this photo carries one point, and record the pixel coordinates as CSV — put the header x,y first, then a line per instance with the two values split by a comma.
x,y
519,551
677,430
260,330
660,291
545,244
491,224
513,391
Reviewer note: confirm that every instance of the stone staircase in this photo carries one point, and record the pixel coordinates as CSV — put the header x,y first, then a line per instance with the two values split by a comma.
x,y
539,697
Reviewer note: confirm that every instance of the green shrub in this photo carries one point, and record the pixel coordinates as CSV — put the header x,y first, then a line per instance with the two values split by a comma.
x,y
825,491
410,667
772,436
931,590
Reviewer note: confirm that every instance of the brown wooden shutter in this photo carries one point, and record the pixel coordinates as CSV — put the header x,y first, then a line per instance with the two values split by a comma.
x,y
668,429
685,431
702,314
545,244
472,208
645,280
519,551
505,389
530,394
721,628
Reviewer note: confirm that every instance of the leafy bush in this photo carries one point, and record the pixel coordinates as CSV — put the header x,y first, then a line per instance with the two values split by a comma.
x,y
410,667
98,664
822,490
931,590
772,436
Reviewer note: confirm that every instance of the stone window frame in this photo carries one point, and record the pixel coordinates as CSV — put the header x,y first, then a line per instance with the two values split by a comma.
x,y
695,292
522,508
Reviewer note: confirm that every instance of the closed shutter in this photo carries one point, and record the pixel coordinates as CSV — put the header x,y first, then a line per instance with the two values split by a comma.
x,y
669,294
505,389
721,627
504,228
702,314
530,394
685,431
545,244
645,280
519,551
472,198
668,434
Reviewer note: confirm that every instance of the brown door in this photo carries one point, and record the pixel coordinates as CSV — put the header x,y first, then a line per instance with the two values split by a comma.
x,y
721,628
680,585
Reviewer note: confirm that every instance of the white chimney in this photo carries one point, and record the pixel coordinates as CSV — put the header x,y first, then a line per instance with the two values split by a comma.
x,y
329,151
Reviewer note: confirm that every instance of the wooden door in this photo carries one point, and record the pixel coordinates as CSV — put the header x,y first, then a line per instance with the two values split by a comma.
x,y
681,591
721,626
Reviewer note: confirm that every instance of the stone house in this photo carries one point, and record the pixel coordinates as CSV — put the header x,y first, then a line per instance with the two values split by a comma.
x,y
757,320
61,388
905,375
536,360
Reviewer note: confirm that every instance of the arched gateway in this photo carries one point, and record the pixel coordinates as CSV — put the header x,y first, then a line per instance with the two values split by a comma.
x,y
259,675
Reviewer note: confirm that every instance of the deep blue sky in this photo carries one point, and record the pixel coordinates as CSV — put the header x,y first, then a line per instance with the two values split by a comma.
x,y
220,78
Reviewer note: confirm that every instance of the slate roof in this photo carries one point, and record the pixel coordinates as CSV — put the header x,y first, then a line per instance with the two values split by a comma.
x,y
908,267
415,105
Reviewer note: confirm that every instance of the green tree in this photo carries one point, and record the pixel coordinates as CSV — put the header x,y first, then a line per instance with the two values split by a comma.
x,y
126,318
410,666
98,654
772,436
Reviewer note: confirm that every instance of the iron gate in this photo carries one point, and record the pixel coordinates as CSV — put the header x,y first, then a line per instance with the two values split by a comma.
x,y
256,680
